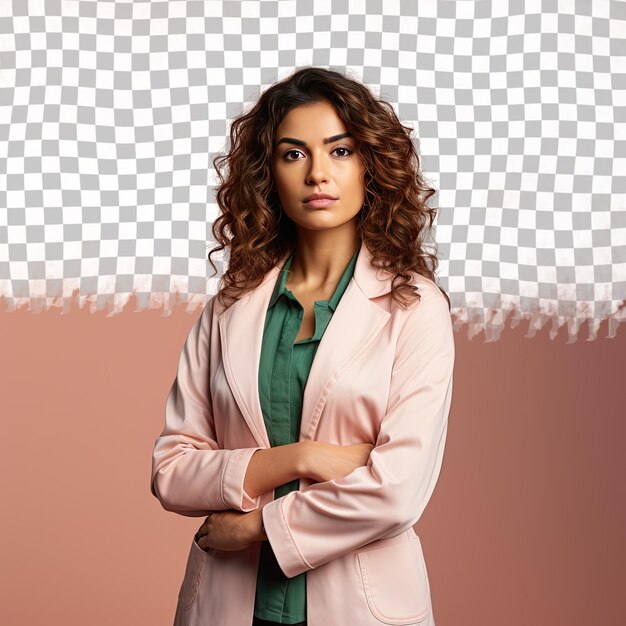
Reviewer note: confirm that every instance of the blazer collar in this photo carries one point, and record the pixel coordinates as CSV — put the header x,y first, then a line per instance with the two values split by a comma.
x,y
355,323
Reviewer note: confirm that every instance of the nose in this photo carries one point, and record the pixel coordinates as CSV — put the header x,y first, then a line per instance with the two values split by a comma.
x,y
318,171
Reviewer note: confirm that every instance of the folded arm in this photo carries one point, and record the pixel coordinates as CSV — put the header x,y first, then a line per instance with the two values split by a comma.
x,y
190,474
310,527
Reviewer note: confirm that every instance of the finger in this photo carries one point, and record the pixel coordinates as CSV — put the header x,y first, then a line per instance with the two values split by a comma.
x,y
203,543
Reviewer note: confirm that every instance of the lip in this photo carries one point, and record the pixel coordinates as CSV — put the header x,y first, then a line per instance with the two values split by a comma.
x,y
317,196
321,202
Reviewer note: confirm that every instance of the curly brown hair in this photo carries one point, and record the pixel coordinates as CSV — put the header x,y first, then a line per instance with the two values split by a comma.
x,y
393,221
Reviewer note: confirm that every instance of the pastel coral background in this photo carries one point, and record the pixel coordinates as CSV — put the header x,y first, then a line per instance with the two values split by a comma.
x,y
526,524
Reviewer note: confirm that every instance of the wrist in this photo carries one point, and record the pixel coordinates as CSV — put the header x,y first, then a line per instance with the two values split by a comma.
x,y
253,526
303,461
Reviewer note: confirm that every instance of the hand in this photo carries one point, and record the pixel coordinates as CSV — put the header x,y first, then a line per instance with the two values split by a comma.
x,y
224,530
327,461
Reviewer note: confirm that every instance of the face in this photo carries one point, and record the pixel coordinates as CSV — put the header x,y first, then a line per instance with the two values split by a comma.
x,y
303,164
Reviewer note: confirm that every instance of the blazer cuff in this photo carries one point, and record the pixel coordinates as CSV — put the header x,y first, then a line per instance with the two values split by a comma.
x,y
285,550
233,493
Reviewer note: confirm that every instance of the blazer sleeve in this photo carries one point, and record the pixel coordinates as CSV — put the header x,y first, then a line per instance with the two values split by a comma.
x,y
191,475
387,496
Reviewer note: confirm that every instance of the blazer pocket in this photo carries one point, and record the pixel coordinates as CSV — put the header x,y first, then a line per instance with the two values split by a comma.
x,y
193,575
395,581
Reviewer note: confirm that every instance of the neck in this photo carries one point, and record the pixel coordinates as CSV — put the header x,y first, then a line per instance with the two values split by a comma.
x,y
321,257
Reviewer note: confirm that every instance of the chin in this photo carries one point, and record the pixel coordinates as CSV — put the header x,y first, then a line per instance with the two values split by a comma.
x,y
325,224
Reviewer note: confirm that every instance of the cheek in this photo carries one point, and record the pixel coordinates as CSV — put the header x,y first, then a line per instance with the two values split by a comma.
x,y
289,186
356,182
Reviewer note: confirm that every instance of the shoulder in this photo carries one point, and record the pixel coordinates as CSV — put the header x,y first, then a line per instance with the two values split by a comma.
x,y
428,288
211,307
427,320
425,328
209,311
431,298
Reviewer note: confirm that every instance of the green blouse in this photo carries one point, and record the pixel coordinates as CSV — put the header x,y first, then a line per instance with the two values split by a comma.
x,y
283,372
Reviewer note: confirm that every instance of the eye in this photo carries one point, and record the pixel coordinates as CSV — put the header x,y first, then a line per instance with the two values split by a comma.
x,y
293,150
345,150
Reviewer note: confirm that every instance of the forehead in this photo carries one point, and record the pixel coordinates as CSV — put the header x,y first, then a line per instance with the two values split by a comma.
x,y
313,119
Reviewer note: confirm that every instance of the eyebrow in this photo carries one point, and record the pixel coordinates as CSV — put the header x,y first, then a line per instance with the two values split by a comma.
x,y
299,142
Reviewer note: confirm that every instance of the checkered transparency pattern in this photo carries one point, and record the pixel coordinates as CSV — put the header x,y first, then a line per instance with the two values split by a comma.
x,y
111,113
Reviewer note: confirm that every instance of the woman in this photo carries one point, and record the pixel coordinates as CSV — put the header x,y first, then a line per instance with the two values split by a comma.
x,y
309,413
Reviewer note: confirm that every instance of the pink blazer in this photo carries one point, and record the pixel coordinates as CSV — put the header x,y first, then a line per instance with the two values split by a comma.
x,y
381,375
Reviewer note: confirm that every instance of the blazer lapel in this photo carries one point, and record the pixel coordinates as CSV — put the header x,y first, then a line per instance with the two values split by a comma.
x,y
241,335
353,326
